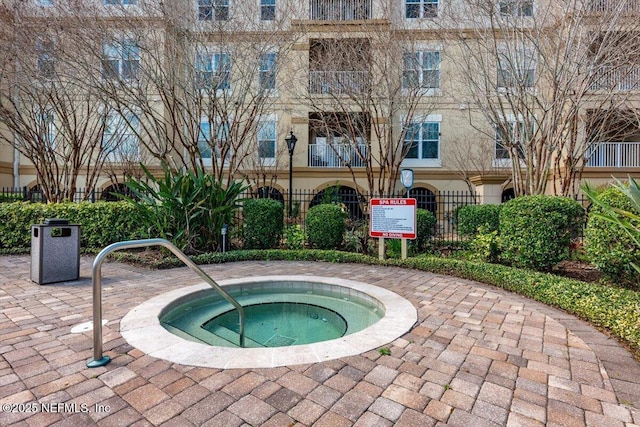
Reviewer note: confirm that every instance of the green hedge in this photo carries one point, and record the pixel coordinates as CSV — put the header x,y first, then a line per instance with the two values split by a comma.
x,y
325,226
616,309
263,223
536,231
425,221
608,246
472,217
102,223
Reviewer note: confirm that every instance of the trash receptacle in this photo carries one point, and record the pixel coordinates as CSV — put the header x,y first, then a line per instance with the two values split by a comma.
x,y
55,251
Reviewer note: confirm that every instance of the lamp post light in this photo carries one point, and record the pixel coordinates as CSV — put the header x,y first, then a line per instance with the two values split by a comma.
x,y
291,145
406,178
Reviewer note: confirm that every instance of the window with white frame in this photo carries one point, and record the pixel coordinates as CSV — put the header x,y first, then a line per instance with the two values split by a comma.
x,y
421,9
45,59
511,134
267,10
213,71
46,127
422,142
516,69
44,2
516,7
213,10
421,70
121,60
120,139
212,140
267,71
267,139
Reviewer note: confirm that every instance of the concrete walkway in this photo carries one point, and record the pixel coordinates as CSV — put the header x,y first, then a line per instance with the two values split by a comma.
x,y
477,357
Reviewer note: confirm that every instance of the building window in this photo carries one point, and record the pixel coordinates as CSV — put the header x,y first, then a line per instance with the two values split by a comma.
x,y
120,139
213,71
213,141
121,60
516,7
267,72
421,9
213,10
44,2
511,133
46,128
267,140
267,10
516,71
422,141
421,70
45,61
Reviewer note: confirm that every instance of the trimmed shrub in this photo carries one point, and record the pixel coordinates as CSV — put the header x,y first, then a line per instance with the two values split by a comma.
x,y
425,221
263,223
325,226
536,231
102,223
609,247
472,217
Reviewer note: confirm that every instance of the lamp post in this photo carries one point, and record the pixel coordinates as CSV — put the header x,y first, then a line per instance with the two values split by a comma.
x,y
406,178
291,145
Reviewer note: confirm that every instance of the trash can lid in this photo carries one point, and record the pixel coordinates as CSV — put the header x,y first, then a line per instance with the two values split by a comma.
x,y
56,221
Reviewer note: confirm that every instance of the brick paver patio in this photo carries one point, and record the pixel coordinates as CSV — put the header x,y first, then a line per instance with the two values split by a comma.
x,y
477,357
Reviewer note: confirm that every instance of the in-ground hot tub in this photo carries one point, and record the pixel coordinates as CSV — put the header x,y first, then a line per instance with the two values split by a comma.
x,y
321,318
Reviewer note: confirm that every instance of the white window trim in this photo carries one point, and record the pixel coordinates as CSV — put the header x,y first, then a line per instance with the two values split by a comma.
x,y
208,161
127,133
275,12
426,91
274,90
422,2
426,163
209,55
267,161
506,163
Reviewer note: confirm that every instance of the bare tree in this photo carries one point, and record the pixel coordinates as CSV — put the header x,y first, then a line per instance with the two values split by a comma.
x,y
200,81
537,76
366,93
53,118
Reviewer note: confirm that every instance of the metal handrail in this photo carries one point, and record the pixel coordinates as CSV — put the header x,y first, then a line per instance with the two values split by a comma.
x,y
98,358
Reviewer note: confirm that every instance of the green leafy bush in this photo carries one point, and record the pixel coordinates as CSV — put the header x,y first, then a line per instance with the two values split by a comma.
x,y
485,245
325,226
263,223
472,217
607,244
189,208
102,223
536,231
294,237
425,222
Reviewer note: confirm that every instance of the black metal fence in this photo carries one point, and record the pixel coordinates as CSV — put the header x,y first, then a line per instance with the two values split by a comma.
x,y
443,204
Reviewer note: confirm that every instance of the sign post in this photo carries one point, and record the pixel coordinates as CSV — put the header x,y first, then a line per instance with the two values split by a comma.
x,y
392,219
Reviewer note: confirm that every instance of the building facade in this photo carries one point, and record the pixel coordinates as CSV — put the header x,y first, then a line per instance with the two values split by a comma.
x,y
484,96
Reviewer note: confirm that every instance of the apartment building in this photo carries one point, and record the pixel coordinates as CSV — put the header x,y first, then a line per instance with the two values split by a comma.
x,y
480,95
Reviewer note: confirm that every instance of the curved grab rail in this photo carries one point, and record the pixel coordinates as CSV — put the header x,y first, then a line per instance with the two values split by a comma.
x,y
96,276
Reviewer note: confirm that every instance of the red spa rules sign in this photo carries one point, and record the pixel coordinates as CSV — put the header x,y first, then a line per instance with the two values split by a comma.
x,y
392,218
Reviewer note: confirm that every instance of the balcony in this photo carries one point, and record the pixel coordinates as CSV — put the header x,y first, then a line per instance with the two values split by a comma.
x,y
614,155
617,78
338,82
608,6
337,155
339,10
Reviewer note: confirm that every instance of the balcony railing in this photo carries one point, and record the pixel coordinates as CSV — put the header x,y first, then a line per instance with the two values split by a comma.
x,y
337,155
614,154
339,10
624,6
338,82
617,78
